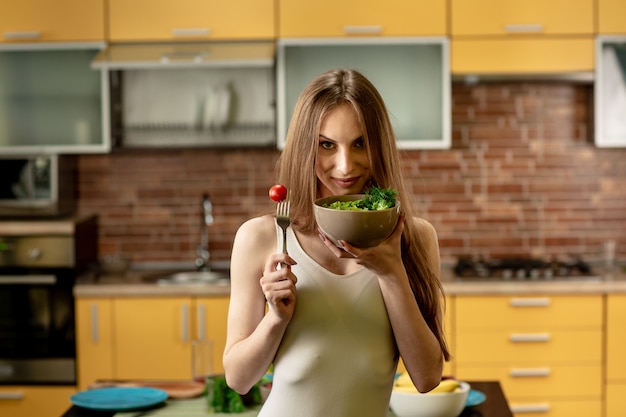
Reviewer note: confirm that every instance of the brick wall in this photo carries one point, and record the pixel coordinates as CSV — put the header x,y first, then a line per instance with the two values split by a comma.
x,y
522,178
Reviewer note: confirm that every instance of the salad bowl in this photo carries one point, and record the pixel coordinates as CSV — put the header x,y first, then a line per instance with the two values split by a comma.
x,y
360,228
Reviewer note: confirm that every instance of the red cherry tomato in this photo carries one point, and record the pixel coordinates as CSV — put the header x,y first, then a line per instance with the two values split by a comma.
x,y
278,192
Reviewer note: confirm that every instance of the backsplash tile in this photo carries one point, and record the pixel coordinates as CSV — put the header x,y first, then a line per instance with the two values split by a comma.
x,y
522,178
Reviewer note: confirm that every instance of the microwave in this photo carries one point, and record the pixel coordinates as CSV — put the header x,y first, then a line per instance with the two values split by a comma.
x,y
37,185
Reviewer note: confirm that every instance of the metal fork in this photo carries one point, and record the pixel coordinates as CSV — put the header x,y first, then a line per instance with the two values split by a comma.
x,y
282,218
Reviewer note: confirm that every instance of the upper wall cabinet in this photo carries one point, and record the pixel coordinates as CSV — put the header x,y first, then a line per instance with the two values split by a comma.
x,y
184,20
416,87
610,91
611,16
51,101
522,36
332,18
52,21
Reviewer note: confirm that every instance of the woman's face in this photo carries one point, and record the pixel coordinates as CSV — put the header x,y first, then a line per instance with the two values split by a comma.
x,y
342,165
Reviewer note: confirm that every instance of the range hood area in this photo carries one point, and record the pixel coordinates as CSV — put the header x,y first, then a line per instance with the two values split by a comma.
x,y
185,55
191,94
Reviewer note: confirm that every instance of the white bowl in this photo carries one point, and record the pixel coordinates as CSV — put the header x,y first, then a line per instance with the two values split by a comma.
x,y
443,404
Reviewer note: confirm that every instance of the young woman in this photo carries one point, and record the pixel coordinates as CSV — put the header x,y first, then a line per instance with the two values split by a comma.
x,y
335,320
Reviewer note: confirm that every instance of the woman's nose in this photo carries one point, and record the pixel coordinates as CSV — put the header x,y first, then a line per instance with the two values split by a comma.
x,y
345,161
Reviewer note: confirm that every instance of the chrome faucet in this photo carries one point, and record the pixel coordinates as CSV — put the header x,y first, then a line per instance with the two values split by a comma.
x,y
206,220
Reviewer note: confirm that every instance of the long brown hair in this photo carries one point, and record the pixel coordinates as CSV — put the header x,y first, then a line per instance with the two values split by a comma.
x,y
297,172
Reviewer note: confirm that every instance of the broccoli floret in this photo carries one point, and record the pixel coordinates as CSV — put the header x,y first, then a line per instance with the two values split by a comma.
x,y
377,198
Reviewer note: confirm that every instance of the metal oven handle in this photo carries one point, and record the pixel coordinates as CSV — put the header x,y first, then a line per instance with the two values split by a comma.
x,y
28,279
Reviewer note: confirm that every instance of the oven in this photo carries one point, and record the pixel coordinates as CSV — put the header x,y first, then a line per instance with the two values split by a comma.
x,y
37,321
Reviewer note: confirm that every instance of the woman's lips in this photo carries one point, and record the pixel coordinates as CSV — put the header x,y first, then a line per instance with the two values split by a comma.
x,y
346,182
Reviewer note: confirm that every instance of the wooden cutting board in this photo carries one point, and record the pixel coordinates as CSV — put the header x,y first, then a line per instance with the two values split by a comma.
x,y
174,389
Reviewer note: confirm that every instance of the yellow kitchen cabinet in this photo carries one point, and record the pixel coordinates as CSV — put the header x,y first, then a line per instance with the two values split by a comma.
x,y
513,17
146,338
146,20
521,55
611,18
328,18
615,358
521,37
49,21
152,338
535,346
94,340
30,401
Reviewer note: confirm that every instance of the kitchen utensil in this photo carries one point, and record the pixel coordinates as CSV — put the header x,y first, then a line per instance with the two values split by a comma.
x,y
201,360
119,398
475,398
282,218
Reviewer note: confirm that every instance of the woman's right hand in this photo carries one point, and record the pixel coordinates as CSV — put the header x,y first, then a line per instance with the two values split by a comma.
x,y
279,285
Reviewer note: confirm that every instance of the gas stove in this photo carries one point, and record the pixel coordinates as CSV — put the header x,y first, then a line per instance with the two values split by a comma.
x,y
523,269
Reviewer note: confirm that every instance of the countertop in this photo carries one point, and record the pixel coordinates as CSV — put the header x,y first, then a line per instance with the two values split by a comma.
x,y
494,406
142,284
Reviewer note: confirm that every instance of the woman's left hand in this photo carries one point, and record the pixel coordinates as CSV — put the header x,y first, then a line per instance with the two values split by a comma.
x,y
382,259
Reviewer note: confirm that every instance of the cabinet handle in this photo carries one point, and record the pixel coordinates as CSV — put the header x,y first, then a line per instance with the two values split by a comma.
x,y
196,57
529,302
529,372
363,30
188,32
95,331
28,279
22,36
524,28
530,408
11,395
184,313
529,337
201,323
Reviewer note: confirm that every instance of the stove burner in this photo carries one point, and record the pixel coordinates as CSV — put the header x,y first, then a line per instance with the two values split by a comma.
x,y
512,269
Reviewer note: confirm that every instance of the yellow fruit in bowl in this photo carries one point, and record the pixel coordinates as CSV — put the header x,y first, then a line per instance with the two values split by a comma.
x,y
404,384
447,385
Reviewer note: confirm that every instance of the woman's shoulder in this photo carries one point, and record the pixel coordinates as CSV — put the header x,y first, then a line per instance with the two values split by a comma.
x,y
424,227
257,230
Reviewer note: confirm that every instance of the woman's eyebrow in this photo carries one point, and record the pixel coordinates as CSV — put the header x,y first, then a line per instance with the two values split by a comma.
x,y
327,138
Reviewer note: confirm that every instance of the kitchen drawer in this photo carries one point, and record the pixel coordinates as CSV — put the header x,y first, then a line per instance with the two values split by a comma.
x,y
616,339
556,408
351,18
540,381
34,401
514,17
477,346
615,400
529,312
506,55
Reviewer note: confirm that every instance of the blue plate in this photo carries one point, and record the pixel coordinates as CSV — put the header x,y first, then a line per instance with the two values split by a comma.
x,y
475,397
119,398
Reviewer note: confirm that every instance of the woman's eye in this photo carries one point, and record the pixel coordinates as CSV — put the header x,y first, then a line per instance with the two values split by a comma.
x,y
359,143
327,145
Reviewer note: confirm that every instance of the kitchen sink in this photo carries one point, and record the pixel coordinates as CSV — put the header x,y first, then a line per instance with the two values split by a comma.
x,y
195,278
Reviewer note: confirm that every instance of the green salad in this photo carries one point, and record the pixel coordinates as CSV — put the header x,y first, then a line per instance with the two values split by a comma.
x,y
375,199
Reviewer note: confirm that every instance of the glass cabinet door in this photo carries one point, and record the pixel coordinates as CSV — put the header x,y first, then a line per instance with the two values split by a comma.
x,y
51,101
412,75
610,92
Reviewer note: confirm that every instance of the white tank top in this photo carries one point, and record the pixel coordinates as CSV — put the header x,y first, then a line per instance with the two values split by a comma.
x,y
338,356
